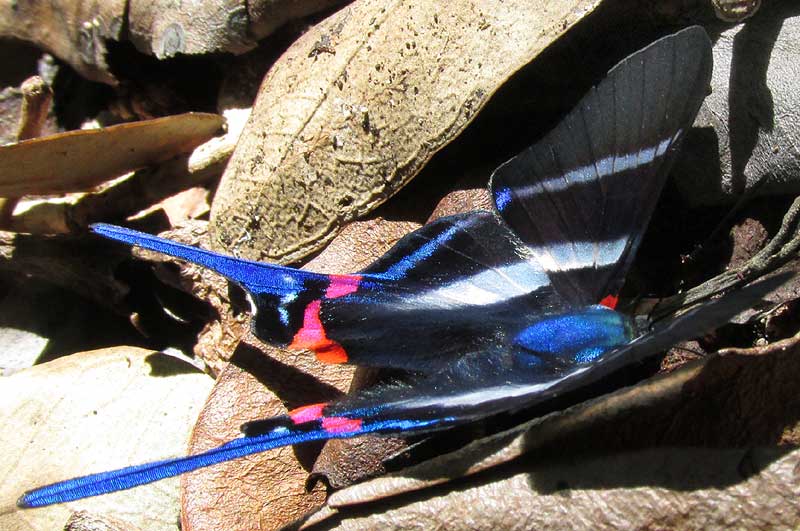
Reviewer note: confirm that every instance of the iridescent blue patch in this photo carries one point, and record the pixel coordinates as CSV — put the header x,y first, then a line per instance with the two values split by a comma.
x,y
581,336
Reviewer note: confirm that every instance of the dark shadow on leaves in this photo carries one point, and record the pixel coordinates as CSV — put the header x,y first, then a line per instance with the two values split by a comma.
x,y
749,97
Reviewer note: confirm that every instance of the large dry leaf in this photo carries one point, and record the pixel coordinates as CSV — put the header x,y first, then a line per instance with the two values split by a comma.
x,y
358,105
705,447
90,412
78,160
721,498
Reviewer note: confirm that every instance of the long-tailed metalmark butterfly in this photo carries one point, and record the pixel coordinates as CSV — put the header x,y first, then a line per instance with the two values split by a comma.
x,y
492,312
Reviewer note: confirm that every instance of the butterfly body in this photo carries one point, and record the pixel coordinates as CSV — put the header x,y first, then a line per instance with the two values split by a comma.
x,y
491,312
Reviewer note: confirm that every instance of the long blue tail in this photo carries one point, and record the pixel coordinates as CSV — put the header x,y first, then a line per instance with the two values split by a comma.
x,y
281,431
256,277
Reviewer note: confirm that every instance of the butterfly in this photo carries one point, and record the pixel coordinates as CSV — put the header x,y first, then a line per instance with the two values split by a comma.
x,y
491,312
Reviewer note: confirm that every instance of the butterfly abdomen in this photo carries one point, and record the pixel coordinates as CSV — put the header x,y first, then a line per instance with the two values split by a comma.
x,y
575,337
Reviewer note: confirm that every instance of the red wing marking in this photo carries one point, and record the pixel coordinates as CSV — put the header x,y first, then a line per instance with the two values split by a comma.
x,y
312,337
610,301
307,413
340,424
341,285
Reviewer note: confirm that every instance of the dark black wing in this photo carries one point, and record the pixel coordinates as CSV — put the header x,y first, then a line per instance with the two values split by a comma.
x,y
582,197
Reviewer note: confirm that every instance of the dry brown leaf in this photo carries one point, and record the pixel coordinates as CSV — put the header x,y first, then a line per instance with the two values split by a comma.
x,y
78,160
358,105
538,498
90,412
705,447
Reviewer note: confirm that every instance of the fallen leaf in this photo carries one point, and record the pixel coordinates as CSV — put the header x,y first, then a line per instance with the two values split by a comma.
x,y
90,412
641,490
132,193
78,160
358,105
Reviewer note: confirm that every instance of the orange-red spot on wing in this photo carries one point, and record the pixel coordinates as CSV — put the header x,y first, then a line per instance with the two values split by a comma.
x,y
340,424
307,413
610,301
341,285
312,337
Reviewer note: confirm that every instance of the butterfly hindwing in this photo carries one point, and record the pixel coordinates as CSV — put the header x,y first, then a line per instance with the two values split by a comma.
x,y
582,196
279,295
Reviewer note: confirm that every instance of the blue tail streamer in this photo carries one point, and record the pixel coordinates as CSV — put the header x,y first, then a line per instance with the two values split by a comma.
x,y
132,476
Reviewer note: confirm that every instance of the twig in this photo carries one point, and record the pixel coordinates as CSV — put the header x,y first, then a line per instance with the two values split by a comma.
x,y
36,99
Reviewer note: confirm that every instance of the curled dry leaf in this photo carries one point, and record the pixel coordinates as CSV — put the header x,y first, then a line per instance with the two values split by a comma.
x,y
90,412
78,31
78,160
751,118
357,106
709,446
131,194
